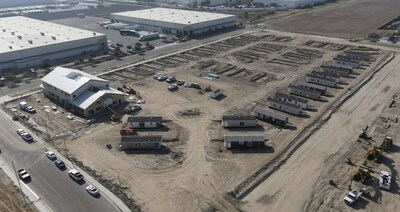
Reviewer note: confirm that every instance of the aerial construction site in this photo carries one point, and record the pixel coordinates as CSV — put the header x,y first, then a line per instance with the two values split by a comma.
x,y
281,116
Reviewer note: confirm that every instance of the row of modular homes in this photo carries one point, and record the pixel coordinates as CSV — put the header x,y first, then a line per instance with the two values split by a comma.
x,y
142,142
321,80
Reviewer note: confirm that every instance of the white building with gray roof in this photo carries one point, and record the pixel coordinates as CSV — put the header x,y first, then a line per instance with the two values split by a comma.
x,y
176,21
79,91
27,42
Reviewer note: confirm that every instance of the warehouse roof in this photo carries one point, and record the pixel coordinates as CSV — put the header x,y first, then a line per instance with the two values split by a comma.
x,y
174,15
18,33
68,80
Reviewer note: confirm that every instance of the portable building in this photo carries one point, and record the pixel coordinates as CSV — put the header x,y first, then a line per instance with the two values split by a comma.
x,y
333,76
341,72
139,122
310,86
284,106
270,117
321,80
303,103
299,91
133,142
215,94
243,141
238,121
354,64
336,65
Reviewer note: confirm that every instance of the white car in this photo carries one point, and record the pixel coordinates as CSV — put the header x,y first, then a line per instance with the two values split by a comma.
x,y
20,131
385,180
23,174
352,197
51,155
75,175
26,136
92,190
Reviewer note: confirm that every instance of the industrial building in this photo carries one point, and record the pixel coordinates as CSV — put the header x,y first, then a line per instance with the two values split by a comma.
x,y
175,21
303,103
27,42
244,141
133,142
143,122
80,92
238,121
284,106
270,117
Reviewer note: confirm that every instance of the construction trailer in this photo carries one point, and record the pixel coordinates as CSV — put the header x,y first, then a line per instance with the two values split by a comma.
x,y
143,122
311,86
270,117
303,103
321,80
284,106
134,142
355,56
354,64
300,91
335,65
244,141
238,121
342,73
215,94
332,76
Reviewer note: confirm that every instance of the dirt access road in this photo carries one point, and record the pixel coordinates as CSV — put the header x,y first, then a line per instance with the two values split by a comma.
x,y
348,19
295,181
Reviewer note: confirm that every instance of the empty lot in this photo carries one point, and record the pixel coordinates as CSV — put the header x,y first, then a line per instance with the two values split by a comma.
x,y
349,19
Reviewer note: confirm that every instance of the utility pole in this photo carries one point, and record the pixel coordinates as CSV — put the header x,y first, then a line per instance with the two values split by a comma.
x,y
19,184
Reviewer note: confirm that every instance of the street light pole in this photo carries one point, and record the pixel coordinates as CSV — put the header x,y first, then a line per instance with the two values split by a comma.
x,y
19,184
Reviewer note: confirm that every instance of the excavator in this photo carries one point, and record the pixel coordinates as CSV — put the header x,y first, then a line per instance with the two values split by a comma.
x,y
362,174
386,144
374,153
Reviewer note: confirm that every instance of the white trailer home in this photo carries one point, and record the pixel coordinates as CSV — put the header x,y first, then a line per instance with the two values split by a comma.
x,y
144,122
303,103
284,106
321,80
238,121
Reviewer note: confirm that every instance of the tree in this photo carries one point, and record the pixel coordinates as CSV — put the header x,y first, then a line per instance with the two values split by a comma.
x,y
205,3
194,4
138,46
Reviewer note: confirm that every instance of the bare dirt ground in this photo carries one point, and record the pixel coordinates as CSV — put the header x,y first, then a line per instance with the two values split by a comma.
x,y
198,172
10,196
347,19
304,178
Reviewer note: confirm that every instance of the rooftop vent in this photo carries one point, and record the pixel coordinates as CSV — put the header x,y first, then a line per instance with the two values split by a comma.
x,y
10,47
19,37
94,34
12,33
53,37
42,33
4,30
30,41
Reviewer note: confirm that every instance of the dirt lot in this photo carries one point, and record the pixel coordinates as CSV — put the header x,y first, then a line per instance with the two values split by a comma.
x,y
10,196
348,19
196,172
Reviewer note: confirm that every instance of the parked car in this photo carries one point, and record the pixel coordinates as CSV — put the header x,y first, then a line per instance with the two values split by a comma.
x,y
51,155
180,82
352,197
20,131
26,136
75,175
30,109
385,180
59,163
161,78
132,108
171,79
172,87
92,190
23,175
156,75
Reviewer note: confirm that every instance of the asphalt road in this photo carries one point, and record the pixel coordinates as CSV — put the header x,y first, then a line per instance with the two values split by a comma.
x,y
51,184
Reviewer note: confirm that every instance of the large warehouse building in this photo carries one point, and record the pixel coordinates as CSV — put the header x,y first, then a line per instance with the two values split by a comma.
x,y
27,42
174,21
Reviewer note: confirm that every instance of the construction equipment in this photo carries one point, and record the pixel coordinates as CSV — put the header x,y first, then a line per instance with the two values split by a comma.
x,y
374,153
362,174
130,90
363,134
127,131
386,144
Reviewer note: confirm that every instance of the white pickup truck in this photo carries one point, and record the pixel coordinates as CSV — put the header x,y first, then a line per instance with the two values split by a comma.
x,y
353,196
385,180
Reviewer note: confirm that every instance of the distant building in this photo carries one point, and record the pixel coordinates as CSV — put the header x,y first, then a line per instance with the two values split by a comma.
x,y
244,141
176,21
270,117
299,91
238,121
309,86
133,142
332,70
354,64
79,91
332,76
142,122
27,42
290,3
284,106
303,103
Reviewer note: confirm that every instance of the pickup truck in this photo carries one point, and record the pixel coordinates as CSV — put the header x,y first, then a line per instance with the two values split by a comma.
x,y
23,174
75,175
354,195
385,180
